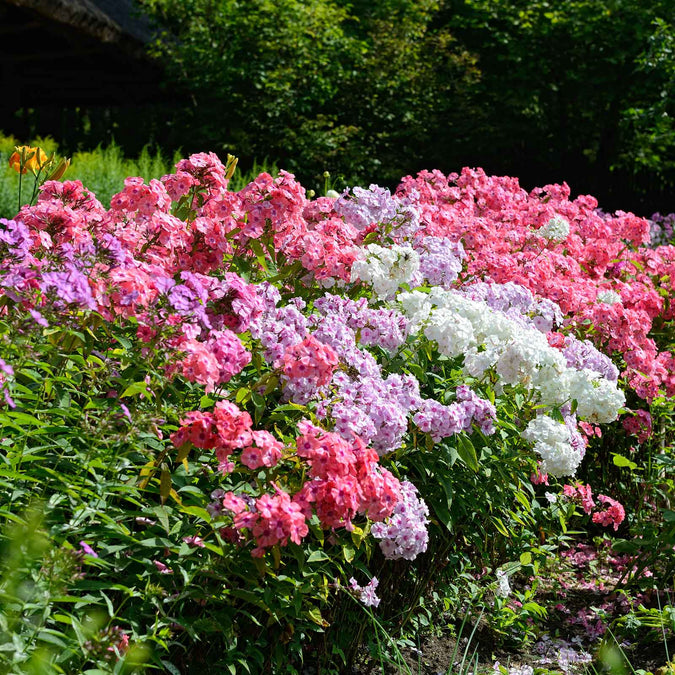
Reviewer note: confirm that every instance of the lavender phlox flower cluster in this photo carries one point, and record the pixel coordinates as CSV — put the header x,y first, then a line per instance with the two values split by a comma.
x,y
278,328
6,371
552,442
404,534
582,354
362,402
375,399
482,412
366,594
442,421
386,328
440,260
516,301
661,229
331,330
16,236
408,217
523,669
562,654
110,247
374,205
386,269
70,286
188,300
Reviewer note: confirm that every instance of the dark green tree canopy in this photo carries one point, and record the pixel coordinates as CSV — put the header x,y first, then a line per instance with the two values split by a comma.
x,y
581,91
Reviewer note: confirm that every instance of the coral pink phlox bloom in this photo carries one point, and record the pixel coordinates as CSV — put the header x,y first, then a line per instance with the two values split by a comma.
x,y
310,359
613,515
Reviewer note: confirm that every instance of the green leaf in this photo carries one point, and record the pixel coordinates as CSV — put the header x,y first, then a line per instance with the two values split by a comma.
x,y
525,558
467,452
620,460
318,556
137,388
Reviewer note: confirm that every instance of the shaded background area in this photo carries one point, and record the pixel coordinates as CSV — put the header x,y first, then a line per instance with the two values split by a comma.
x,y
370,90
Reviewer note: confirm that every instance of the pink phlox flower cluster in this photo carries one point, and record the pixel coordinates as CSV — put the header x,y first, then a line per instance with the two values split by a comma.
x,y
613,514
345,479
137,197
495,220
366,594
204,169
589,621
404,534
108,644
224,430
440,260
274,520
264,451
64,213
639,424
539,478
306,366
581,494
212,362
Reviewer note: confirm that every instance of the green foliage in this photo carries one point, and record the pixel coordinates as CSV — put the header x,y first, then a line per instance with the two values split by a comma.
x,y
352,88
375,90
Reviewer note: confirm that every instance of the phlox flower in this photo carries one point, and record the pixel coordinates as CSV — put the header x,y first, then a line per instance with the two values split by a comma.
x,y
366,594
613,514
386,269
404,533
556,229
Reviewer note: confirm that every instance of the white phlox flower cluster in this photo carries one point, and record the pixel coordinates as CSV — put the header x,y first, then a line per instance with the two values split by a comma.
x,y
598,399
552,442
608,297
452,332
518,353
385,269
503,589
417,308
557,229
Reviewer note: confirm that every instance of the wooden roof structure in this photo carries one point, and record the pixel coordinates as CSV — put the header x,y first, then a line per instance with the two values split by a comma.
x,y
75,53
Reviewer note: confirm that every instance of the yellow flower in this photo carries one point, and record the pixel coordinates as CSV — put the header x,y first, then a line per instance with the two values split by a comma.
x,y
24,159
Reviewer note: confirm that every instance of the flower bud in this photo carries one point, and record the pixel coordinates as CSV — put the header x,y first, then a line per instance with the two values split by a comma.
x,y
60,169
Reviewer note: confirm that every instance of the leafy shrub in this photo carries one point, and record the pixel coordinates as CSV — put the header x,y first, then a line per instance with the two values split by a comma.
x,y
235,421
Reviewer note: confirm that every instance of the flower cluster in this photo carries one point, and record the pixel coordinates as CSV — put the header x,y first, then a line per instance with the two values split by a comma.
x,y
366,594
613,514
404,534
